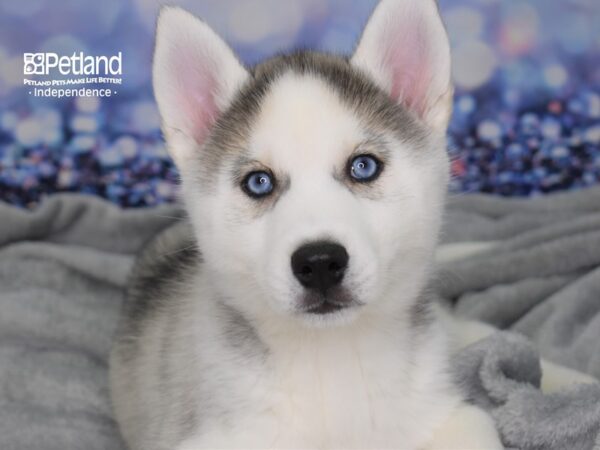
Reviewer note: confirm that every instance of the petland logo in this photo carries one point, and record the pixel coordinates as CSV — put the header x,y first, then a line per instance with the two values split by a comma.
x,y
84,70
76,64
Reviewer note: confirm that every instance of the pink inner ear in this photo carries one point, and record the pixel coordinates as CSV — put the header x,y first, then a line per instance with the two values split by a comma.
x,y
196,92
407,57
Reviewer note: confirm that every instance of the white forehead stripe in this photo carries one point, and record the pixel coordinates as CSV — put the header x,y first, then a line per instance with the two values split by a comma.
x,y
303,120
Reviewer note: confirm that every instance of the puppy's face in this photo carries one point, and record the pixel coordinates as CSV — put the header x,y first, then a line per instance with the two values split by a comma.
x,y
315,183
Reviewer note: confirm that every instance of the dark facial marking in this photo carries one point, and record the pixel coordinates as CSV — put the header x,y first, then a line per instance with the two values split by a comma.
x,y
374,145
240,333
239,168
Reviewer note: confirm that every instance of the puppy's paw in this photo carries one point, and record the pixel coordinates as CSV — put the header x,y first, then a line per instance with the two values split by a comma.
x,y
468,428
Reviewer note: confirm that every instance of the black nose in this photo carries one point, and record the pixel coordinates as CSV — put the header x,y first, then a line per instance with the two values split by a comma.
x,y
320,265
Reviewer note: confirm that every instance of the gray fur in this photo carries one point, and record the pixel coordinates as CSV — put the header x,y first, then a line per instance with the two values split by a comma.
x,y
421,312
162,266
239,168
374,145
240,333
153,310
160,271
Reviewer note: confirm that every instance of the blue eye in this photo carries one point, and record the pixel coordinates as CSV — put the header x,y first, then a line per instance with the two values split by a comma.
x,y
258,184
365,168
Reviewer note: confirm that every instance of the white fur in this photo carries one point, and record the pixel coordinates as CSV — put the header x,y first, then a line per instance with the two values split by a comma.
x,y
345,388
318,206
327,385
359,378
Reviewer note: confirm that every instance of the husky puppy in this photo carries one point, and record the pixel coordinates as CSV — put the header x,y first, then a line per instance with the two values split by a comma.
x,y
315,186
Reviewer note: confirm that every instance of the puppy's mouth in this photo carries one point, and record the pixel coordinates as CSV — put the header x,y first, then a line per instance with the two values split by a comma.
x,y
319,304
325,307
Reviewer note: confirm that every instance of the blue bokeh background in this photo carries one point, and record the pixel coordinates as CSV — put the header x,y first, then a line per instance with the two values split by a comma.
x,y
527,106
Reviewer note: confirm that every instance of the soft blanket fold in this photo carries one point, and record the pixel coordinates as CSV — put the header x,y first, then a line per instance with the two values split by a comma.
x,y
532,267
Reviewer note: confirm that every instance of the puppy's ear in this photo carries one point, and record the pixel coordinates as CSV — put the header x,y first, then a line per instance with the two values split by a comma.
x,y
195,76
405,48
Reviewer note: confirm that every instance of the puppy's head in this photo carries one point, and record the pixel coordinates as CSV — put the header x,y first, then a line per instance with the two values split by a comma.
x,y
315,183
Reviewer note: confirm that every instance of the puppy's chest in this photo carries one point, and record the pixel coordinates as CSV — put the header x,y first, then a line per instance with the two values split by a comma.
x,y
338,396
333,393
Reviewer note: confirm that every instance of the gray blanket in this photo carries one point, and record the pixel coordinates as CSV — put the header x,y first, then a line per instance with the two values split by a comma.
x,y
535,271
64,265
